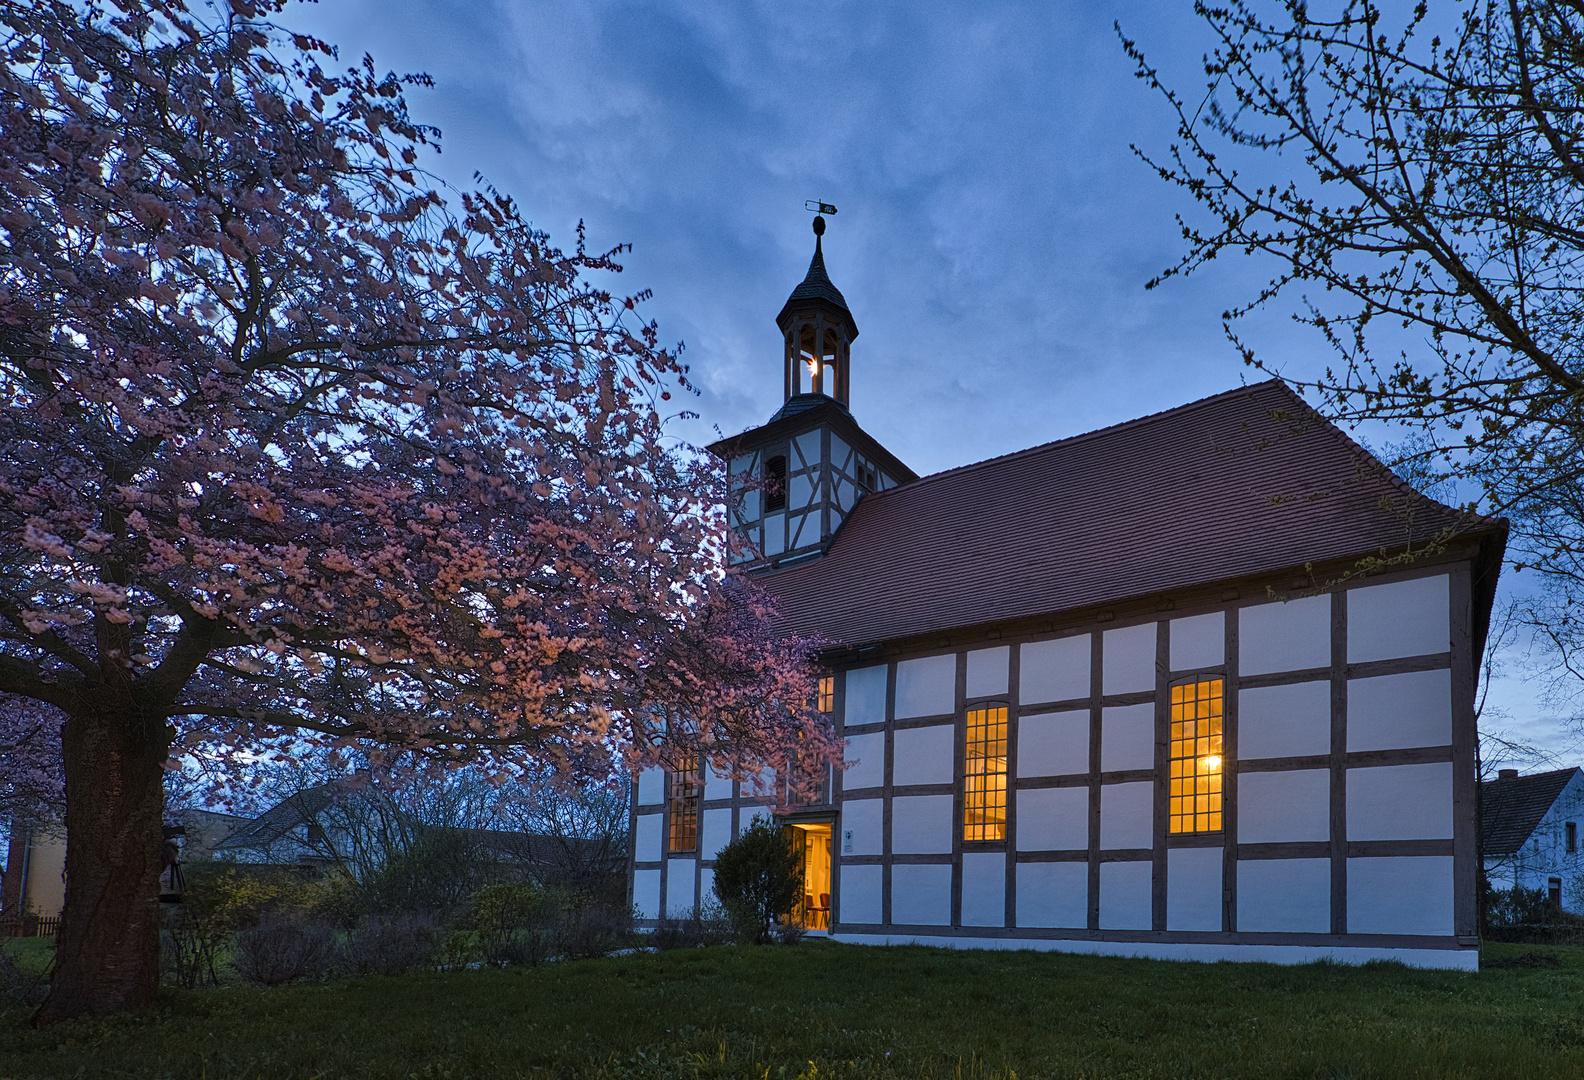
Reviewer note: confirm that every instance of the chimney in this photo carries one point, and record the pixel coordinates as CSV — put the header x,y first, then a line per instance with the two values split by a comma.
x,y
1506,774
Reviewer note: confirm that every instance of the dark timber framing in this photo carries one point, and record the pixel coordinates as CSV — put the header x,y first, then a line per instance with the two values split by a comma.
x,y
1467,629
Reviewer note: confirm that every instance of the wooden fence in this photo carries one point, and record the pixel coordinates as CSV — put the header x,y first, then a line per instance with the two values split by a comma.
x,y
29,926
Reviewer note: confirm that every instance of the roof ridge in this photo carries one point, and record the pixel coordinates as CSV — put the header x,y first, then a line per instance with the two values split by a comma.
x,y
1083,436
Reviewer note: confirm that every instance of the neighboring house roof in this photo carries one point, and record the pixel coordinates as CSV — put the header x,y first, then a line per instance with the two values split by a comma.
x,y
279,820
1511,808
1241,484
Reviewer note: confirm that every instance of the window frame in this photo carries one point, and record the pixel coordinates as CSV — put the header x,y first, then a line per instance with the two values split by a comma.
x,y
1186,814
682,806
986,803
774,484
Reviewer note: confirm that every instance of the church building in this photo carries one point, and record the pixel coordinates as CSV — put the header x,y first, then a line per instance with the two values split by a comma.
x,y
1199,685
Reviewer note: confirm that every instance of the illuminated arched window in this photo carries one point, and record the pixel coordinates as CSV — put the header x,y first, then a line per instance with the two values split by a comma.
x,y
985,766
1196,766
682,800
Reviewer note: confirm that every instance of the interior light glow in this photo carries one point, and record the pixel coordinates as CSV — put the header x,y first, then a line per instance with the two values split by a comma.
x,y
1211,762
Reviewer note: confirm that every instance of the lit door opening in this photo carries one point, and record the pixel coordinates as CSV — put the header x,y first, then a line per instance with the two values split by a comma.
x,y
812,842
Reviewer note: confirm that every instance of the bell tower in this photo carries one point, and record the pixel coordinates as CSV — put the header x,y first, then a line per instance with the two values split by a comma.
x,y
819,331
792,481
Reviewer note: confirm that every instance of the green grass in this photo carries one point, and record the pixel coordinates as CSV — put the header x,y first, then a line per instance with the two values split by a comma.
x,y
834,1011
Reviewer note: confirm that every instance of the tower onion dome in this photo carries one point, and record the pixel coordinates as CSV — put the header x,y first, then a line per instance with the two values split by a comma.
x,y
817,292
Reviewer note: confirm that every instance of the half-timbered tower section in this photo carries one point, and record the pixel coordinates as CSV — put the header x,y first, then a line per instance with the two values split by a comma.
x,y
1200,685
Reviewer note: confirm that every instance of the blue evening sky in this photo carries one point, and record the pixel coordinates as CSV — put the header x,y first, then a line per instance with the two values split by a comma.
x,y
995,228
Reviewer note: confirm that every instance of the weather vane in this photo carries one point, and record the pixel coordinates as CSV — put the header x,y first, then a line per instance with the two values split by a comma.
x,y
819,209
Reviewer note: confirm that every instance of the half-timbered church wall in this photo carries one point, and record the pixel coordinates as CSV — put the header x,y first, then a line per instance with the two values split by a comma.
x,y
1200,685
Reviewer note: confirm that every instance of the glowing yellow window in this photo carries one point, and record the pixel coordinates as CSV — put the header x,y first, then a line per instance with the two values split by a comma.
x,y
683,802
1196,757
827,693
985,798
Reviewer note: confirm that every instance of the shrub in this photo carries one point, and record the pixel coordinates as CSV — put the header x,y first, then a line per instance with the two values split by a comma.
x,y
18,986
391,944
516,923
282,949
758,878
708,925
221,899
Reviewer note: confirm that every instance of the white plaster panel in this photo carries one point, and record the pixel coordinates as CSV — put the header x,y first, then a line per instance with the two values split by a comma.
x,y
681,894
1198,641
860,894
1127,737
1284,807
1053,744
1284,895
1056,670
1128,660
748,507
1125,900
983,888
1393,712
1400,802
862,822
707,897
808,445
1193,888
1284,721
800,491
921,895
1404,895
651,787
750,814
1127,815
715,833
646,893
802,529
1053,819
775,534
1290,636
716,787
839,452
921,824
866,694
1053,894
646,841
923,755
1404,618
926,686
987,671
866,757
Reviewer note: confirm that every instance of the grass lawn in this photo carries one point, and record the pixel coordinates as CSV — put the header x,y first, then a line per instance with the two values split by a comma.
x,y
834,1011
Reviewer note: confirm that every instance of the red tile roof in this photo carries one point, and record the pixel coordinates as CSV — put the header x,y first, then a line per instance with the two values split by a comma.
x,y
1244,483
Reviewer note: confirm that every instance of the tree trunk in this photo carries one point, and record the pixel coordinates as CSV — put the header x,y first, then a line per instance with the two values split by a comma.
x,y
107,948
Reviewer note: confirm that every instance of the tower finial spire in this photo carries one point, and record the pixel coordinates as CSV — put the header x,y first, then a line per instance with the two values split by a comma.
x,y
817,326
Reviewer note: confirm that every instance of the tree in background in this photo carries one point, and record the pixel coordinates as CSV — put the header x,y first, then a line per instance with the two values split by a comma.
x,y
1417,177
31,786
294,452
758,878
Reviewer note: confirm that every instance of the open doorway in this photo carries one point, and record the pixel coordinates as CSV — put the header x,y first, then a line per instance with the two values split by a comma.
x,y
812,842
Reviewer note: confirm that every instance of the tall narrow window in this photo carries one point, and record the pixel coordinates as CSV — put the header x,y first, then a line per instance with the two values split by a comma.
x,y
775,483
1196,757
1571,830
827,696
985,798
683,803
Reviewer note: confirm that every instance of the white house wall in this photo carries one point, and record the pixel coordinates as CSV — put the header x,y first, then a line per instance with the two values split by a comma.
x,y
1545,856
1348,787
